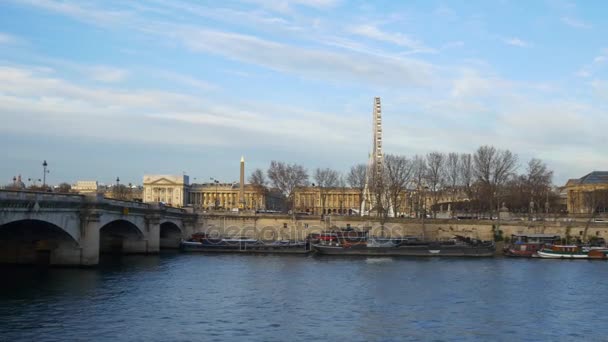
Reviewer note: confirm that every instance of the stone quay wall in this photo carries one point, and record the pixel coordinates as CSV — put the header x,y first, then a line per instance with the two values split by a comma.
x,y
279,227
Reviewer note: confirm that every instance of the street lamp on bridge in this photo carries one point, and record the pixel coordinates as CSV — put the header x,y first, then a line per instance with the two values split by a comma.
x,y
44,172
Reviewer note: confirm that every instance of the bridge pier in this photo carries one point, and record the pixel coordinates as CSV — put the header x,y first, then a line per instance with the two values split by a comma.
x,y
89,240
152,234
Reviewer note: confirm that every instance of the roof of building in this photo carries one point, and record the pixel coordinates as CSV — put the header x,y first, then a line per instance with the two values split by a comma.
x,y
572,181
595,177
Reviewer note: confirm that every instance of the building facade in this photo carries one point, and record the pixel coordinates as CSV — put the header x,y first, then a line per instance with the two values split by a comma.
x,y
317,201
84,187
589,194
228,196
169,189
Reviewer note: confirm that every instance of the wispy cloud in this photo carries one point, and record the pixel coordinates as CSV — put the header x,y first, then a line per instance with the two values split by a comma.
x,y
590,68
452,45
26,93
307,62
107,74
286,6
80,11
576,23
400,39
516,42
6,38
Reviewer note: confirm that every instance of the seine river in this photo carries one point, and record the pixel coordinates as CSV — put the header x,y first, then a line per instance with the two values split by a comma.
x,y
181,297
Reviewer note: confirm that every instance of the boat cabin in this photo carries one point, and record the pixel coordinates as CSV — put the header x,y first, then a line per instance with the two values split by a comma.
x,y
534,239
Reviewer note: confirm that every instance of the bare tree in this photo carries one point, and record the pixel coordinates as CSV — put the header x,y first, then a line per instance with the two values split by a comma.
x,y
452,171
526,193
378,186
357,178
257,178
286,178
465,176
492,168
399,172
419,181
326,179
435,176
465,173
64,188
121,192
258,181
538,179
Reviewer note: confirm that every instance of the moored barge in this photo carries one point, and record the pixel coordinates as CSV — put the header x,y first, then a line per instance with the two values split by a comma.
x,y
203,243
528,245
458,247
573,252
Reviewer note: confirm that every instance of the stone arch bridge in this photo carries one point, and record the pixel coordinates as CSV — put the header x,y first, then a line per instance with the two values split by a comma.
x,y
67,229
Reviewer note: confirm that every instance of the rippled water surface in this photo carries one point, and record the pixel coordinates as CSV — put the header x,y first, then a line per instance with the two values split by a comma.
x,y
193,297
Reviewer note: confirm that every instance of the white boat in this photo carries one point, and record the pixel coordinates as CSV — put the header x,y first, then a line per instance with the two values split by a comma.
x,y
563,252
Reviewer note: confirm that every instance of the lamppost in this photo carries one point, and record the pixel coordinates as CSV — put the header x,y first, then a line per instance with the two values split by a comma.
x,y
44,172
117,182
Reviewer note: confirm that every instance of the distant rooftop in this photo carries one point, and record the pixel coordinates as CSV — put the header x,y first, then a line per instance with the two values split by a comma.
x,y
595,177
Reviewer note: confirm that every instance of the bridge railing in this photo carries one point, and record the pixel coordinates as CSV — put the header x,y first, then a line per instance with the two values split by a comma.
x,y
129,204
72,200
39,196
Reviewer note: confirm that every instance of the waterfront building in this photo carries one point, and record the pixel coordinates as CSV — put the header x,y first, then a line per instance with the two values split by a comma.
x,y
588,194
338,200
235,196
169,189
85,186
228,196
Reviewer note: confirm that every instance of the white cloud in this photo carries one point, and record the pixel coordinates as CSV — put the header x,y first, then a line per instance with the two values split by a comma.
x,y
308,62
452,45
600,87
77,11
583,73
465,107
6,38
516,42
50,103
576,23
107,74
286,6
471,83
400,39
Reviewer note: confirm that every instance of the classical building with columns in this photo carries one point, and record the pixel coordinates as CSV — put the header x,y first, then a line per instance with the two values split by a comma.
x,y
342,201
227,196
169,189
588,194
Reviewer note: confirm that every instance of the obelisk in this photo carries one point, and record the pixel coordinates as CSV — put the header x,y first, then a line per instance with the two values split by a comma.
x,y
242,185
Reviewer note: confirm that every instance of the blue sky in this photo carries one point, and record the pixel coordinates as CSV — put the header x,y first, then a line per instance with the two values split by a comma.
x,y
102,89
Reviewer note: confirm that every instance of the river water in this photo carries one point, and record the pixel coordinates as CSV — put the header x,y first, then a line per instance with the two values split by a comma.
x,y
195,297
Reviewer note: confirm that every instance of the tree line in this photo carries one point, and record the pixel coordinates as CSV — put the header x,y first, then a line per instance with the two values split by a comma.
x,y
483,181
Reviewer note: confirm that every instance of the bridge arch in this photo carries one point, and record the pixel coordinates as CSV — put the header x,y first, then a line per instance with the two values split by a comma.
x,y
33,241
68,222
121,237
170,235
